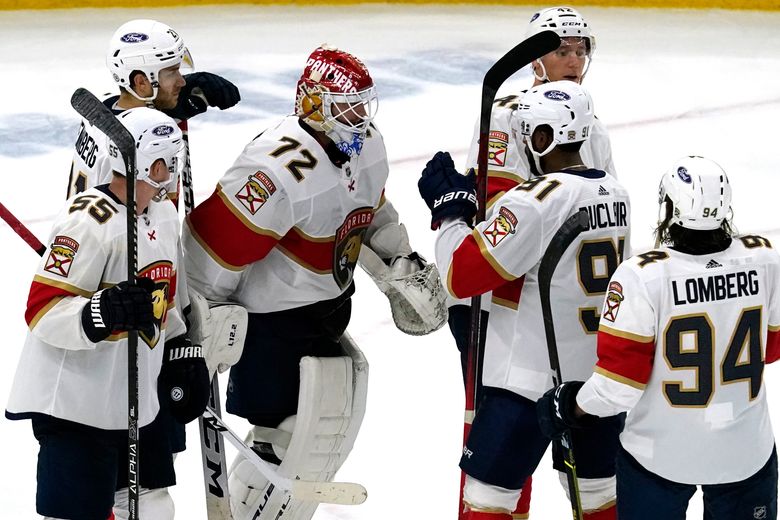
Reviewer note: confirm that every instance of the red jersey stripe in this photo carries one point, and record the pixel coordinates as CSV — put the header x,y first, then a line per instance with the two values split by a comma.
x,y
315,254
44,294
508,295
626,355
227,235
471,273
772,345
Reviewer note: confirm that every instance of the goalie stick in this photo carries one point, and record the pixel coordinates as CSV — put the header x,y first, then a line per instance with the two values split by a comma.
x,y
212,449
94,111
518,57
562,239
345,493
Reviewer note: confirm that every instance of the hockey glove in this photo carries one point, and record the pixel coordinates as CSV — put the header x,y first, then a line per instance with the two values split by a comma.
x,y
555,410
122,307
202,90
447,193
184,379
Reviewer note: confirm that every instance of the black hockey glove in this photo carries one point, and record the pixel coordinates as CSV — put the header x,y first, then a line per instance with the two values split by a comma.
x,y
217,91
184,379
555,410
119,308
446,192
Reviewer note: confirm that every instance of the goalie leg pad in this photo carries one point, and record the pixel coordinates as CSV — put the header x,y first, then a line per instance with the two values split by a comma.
x,y
220,329
311,445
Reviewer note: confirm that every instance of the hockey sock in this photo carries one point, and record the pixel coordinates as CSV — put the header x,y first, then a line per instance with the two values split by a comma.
x,y
609,513
524,504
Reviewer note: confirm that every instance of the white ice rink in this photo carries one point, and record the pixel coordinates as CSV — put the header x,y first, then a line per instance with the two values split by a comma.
x,y
666,84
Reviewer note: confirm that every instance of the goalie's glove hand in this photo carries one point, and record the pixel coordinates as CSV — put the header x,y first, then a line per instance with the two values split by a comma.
x,y
122,307
184,379
202,90
447,193
556,410
404,265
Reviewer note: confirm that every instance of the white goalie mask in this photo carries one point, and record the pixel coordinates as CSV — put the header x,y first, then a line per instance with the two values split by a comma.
x,y
570,26
564,106
147,46
699,192
156,137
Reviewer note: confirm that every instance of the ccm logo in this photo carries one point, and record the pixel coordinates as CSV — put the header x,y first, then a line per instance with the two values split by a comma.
x,y
455,195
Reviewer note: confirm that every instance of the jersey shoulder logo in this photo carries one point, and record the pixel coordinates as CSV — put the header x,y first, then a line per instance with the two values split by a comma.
x,y
502,226
612,301
497,145
256,192
349,239
62,253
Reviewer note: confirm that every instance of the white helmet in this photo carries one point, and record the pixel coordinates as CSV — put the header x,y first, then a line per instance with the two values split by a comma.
x,y
699,192
564,106
156,137
566,23
147,46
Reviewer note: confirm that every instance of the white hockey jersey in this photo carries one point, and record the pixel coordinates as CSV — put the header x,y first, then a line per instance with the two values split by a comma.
x,y
508,247
285,225
682,344
62,373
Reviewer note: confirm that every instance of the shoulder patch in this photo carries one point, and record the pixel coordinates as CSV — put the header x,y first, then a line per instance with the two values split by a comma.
x,y
503,225
612,301
497,145
257,190
62,253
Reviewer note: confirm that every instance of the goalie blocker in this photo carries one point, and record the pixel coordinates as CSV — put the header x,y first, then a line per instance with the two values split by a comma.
x,y
311,445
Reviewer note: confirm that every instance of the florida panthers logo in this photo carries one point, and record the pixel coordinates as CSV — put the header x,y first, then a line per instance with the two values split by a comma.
x,y
497,146
613,300
503,225
164,278
61,255
257,190
349,238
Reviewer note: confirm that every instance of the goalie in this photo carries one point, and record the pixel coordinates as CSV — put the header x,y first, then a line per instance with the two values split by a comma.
x,y
281,235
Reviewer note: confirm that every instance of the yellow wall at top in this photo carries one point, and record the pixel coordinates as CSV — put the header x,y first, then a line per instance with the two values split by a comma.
x,y
64,4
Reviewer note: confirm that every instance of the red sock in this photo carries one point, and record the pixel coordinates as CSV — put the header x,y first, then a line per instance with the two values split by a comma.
x,y
111,517
524,504
485,515
609,513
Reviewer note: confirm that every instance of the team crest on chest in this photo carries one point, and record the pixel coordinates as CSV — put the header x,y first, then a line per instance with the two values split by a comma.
x,y
257,190
62,253
349,238
162,274
497,146
503,225
613,300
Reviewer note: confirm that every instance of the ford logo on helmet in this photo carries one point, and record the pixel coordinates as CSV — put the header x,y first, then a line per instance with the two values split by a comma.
x,y
557,95
163,130
682,173
134,37
534,17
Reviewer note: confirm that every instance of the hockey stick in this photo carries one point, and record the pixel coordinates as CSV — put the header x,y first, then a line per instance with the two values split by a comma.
x,y
94,111
21,230
518,57
562,239
212,449
345,493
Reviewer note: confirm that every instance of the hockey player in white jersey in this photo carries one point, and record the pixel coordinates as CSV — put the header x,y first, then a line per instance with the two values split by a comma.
x,y
509,165
282,235
505,445
685,333
145,58
72,376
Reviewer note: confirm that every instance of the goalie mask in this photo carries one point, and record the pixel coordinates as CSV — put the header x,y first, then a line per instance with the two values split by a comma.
x,y
336,95
147,46
571,27
699,193
564,106
156,137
